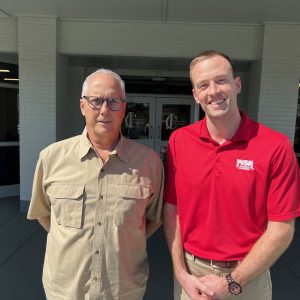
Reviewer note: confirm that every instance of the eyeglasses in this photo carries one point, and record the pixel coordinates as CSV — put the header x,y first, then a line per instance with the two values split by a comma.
x,y
113,104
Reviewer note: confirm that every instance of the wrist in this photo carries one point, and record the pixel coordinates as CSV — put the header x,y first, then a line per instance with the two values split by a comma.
x,y
234,287
181,275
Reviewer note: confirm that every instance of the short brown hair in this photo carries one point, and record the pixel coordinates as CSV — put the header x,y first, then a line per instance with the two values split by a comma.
x,y
210,53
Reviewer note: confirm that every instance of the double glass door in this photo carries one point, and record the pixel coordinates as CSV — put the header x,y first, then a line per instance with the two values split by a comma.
x,y
151,120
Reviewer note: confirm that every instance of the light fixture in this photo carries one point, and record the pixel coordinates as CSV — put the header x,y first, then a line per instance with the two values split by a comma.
x,y
11,79
4,71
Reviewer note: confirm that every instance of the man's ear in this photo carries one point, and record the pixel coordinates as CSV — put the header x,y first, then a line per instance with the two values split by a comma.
x,y
238,84
195,96
81,104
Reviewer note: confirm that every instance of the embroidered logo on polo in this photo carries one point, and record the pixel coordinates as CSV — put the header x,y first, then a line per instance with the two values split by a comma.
x,y
244,164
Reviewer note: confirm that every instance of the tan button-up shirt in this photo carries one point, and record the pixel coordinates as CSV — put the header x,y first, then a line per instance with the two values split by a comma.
x,y
96,246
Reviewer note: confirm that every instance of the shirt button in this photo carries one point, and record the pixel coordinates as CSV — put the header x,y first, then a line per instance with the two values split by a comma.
x,y
102,170
99,223
97,252
101,197
95,278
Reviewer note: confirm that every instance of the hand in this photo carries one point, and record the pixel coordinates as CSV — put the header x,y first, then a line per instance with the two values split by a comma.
x,y
216,283
195,288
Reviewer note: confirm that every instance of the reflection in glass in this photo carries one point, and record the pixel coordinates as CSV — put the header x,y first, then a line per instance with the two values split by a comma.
x,y
173,117
136,121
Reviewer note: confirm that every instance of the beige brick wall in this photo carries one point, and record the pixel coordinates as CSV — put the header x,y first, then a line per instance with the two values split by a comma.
x,y
8,35
280,77
37,71
157,39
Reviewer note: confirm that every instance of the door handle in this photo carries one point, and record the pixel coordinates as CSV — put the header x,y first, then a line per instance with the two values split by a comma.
x,y
150,131
158,132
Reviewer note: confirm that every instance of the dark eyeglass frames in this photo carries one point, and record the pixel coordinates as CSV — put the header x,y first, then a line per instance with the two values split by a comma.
x,y
113,104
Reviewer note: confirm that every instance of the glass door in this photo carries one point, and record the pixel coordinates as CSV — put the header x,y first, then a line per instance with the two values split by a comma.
x,y
171,114
139,120
9,141
151,120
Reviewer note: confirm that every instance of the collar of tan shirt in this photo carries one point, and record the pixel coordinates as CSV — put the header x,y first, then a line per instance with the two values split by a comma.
x,y
85,145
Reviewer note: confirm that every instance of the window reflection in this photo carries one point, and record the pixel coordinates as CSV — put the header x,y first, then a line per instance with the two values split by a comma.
x,y
136,121
173,117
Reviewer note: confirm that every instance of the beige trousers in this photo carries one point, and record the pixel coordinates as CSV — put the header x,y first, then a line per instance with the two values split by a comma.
x,y
258,289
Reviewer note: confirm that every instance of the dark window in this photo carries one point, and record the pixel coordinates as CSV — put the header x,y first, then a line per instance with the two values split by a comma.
x,y
9,114
9,165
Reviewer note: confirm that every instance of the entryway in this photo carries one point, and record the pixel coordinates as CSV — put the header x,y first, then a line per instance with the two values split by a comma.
x,y
151,119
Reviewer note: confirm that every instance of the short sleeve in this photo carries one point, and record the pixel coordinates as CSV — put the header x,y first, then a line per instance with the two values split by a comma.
x,y
284,185
39,203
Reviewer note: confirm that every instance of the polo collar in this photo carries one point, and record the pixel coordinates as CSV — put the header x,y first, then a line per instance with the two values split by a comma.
x,y
244,132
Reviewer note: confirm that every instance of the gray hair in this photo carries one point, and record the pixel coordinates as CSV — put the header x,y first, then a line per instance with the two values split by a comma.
x,y
104,71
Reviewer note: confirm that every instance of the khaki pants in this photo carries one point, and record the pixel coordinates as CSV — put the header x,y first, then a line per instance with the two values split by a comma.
x,y
258,289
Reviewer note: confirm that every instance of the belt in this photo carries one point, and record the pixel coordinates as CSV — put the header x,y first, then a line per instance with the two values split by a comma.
x,y
215,263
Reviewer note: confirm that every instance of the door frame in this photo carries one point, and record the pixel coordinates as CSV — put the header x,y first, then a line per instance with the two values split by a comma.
x,y
156,101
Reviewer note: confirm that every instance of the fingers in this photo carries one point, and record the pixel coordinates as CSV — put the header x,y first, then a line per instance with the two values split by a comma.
x,y
204,289
203,295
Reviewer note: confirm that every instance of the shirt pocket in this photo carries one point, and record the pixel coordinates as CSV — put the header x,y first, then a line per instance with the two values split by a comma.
x,y
67,204
131,205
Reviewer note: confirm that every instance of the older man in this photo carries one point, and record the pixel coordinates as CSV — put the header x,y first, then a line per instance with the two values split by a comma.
x,y
232,193
99,196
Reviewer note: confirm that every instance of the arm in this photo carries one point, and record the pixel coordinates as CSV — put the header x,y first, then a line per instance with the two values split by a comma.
x,y
45,222
265,251
263,254
154,213
190,283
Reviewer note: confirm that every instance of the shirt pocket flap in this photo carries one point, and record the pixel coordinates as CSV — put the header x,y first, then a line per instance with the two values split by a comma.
x,y
60,191
134,191
131,205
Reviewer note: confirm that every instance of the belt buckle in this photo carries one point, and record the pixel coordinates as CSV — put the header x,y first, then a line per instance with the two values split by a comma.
x,y
212,264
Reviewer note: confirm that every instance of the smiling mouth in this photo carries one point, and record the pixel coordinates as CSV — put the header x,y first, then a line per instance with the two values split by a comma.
x,y
217,102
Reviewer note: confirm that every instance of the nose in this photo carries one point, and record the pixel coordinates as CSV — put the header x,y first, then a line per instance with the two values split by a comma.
x,y
213,88
104,107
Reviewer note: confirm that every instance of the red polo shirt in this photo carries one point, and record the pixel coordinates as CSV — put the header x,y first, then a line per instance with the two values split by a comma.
x,y
226,194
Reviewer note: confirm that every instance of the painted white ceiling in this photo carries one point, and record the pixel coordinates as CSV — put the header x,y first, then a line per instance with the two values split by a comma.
x,y
220,11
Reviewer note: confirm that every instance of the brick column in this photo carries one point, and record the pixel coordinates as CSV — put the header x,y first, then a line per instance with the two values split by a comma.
x,y
280,77
37,70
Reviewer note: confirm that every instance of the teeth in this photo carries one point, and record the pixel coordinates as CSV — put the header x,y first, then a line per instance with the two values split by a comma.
x,y
217,101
